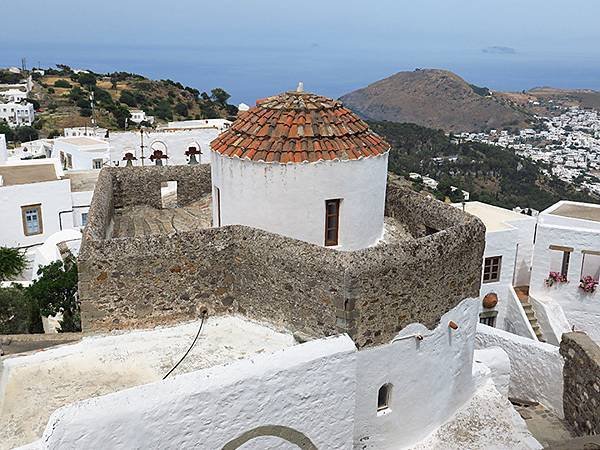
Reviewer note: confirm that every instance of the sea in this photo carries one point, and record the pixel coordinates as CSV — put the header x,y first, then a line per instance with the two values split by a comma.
x,y
249,72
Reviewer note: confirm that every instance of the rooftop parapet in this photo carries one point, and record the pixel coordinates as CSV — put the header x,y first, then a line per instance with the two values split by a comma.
x,y
371,294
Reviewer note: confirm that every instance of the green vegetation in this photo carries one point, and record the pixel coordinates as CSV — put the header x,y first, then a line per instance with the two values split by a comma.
x,y
54,292
12,263
62,84
18,134
491,174
114,94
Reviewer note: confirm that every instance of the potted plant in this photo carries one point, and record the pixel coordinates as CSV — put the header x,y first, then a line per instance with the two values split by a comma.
x,y
555,277
588,284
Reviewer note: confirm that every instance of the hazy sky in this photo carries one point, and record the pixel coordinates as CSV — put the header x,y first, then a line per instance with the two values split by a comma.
x,y
257,47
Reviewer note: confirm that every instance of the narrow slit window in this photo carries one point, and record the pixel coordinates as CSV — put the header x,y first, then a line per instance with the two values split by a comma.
x,y
332,221
218,195
384,397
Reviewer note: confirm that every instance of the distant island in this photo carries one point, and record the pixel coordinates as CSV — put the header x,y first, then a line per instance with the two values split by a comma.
x,y
499,50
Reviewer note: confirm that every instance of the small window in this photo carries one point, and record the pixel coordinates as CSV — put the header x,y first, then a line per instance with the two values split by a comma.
x,y
491,269
488,318
69,161
218,195
84,218
384,397
332,219
32,219
97,164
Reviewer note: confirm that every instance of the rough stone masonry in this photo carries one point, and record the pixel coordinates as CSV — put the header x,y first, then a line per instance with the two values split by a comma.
x,y
581,377
371,294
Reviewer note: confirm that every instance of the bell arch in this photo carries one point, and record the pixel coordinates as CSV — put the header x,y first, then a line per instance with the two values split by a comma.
x,y
286,433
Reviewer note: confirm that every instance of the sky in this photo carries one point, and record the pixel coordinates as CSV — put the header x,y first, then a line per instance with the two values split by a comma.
x,y
255,48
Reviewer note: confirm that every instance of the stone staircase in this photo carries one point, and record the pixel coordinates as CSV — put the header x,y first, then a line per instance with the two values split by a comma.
x,y
523,294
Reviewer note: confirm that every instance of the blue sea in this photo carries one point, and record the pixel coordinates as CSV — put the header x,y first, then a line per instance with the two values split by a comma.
x,y
249,72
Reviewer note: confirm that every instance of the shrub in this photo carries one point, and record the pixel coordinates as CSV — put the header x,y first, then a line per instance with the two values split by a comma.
x,y
62,84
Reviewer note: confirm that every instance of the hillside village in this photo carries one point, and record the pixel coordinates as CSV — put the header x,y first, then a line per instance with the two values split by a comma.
x,y
263,278
568,142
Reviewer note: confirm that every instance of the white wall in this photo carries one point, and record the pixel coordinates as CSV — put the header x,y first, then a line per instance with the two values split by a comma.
x,y
82,156
581,309
81,202
536,367
289,199
177,142
515,245
3,149
431,379
309,388
54,196
516,320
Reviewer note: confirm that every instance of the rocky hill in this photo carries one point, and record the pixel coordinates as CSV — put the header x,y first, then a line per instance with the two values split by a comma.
x,y
62,99
436,99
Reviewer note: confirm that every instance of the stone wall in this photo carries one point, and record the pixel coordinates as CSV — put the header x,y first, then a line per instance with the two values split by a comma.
x,y
371,293
581,375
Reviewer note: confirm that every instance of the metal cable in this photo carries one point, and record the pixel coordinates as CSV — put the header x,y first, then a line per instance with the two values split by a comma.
x,y
204,314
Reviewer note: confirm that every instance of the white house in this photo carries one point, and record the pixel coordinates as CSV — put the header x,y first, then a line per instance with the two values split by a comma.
x,y
218,124
3,149
139,116
81,153
172,142
568,244
35,202
13,95
506,267
85,131
17,114
330,194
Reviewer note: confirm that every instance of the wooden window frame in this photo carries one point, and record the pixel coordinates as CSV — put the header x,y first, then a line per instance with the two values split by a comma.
x,y
24,208
94,161
565,263
332,241
488,269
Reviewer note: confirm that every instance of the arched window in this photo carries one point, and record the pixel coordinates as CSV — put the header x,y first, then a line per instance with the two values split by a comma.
x,y
384,397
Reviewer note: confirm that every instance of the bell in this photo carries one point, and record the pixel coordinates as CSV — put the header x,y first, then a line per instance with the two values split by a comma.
x,y
193,160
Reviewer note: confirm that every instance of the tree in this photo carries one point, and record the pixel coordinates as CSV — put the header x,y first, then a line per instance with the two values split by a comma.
x,y
62,84
25,134
128,98
55,291
181,109
15,311
34,102
220,96
12,263
163,110
87,79
7,131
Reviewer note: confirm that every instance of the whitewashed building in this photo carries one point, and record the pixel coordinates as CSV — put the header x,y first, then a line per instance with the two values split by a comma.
x,y
81,153
568,244
334,189
13,95
85,131
17,114
35,202
506,267
139,116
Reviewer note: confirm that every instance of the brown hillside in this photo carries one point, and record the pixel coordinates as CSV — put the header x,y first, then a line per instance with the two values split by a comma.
x,y
435,99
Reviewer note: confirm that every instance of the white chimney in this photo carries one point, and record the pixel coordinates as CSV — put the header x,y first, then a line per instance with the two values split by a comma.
x,y
300,87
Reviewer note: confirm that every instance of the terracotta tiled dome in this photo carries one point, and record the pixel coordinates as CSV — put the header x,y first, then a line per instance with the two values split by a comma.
x,y
295,127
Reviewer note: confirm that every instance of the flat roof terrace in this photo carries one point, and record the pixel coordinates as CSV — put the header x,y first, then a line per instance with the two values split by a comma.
x,y
136,221
493,217
578,211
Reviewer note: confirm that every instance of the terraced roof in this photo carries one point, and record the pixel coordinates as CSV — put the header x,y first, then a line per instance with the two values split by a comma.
x,y
296,127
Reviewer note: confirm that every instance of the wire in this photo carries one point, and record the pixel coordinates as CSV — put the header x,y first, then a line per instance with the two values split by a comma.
x,y
204,314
